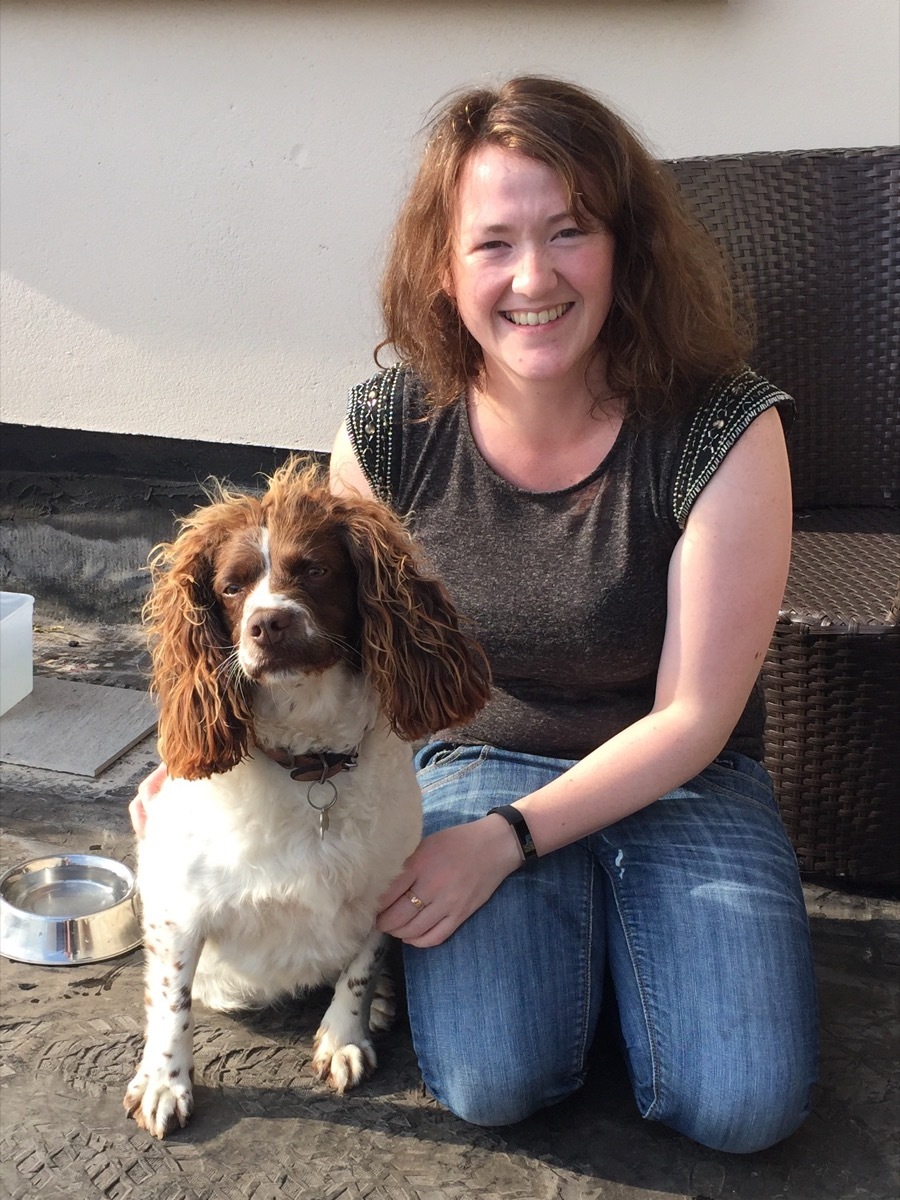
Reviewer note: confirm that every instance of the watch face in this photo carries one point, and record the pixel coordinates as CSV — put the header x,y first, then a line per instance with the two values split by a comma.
x,y
519,825
523,833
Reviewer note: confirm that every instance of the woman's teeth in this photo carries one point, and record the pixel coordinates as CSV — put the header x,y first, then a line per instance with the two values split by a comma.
x,y
544,317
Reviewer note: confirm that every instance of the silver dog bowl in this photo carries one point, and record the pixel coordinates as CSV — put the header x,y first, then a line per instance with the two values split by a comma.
x,y
68,909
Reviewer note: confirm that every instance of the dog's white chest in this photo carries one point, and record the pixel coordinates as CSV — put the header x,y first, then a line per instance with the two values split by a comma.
x,y
253,837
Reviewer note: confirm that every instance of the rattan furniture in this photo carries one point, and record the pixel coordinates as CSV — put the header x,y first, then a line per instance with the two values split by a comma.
x,y
815,234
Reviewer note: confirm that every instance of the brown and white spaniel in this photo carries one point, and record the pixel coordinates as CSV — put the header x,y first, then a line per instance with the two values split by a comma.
x,y
298,648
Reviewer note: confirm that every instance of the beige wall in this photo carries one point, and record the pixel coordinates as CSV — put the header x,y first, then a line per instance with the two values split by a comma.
x,y
195,195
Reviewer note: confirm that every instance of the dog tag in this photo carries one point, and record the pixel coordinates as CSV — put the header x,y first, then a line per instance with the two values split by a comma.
x,y
322,809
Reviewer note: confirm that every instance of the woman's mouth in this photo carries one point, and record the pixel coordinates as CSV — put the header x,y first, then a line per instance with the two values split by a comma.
x,y
541,316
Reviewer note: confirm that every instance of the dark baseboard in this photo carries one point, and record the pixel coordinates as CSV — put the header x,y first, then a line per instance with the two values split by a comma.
x,y
34,449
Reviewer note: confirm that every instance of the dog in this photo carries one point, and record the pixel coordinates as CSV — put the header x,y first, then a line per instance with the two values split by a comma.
x,y
298,648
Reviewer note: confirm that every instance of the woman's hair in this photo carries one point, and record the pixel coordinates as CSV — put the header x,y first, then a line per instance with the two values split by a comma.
x,y
676,322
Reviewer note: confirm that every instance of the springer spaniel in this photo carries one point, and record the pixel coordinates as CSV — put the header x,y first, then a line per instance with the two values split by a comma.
x,y
297,649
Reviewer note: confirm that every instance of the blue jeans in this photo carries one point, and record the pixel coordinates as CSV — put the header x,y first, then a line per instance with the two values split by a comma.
x,y
694,907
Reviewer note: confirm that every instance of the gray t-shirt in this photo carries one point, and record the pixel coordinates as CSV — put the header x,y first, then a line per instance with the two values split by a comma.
x,y
566,589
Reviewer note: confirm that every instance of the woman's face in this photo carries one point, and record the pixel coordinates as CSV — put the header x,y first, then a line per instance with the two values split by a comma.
x,y
532,285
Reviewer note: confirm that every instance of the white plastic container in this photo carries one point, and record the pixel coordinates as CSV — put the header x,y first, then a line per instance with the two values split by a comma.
x,y
16,648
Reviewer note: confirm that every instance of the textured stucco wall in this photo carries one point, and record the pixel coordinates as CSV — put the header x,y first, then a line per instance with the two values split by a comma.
x,y
195,195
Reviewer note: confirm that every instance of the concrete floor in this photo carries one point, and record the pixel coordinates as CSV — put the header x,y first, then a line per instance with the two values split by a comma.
x,y
264,1128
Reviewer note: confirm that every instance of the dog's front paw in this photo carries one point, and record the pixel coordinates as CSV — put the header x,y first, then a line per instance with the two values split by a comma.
x,y
342,1066
159,1101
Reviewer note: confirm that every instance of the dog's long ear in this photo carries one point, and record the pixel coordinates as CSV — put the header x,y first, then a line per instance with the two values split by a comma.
x,y
429,674
204,715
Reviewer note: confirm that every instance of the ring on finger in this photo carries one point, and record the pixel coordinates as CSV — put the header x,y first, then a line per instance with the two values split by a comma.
x,y
414,899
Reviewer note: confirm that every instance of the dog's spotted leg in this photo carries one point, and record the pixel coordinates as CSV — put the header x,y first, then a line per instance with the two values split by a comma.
x,y
160,1096
384,1006
344,1053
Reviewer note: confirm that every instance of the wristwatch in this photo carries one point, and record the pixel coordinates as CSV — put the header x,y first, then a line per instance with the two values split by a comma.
x,y
519,826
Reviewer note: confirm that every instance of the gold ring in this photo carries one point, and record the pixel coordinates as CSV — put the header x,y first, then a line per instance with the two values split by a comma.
x,y
414,899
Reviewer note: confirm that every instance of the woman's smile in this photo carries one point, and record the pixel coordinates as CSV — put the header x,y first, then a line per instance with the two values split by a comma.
x,y
544,317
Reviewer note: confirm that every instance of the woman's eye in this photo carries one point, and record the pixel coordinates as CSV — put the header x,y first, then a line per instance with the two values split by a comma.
x,y
572,232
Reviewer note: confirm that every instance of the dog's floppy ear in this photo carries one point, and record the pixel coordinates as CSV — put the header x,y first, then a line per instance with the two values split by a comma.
x,y
429,674
205,715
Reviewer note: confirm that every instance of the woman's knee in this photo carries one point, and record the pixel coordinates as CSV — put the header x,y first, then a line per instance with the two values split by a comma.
x,y
495,1097
495,1051
743,1119
502,1013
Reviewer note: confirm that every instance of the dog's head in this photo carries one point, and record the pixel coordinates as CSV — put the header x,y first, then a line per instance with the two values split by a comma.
x,y
255,589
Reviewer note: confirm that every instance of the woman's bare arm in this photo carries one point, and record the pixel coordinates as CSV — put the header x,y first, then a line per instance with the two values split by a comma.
x,y
346,475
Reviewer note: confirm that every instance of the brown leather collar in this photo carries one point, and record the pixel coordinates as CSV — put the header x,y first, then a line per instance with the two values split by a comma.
x,y
315,767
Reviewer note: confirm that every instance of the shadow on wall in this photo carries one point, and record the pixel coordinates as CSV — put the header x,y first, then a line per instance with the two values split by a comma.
x,y
80,511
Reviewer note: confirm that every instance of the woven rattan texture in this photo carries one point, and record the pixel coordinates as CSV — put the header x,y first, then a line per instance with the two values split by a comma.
x,y
845,570
833,750
815,235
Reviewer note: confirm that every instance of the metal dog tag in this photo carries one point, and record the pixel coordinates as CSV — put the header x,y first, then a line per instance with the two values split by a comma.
x,y
322,809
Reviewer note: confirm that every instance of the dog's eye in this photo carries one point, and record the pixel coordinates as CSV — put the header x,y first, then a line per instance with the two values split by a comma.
x,y
316,572
231,589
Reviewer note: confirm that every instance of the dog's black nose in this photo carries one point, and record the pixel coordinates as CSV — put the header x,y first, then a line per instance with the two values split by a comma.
x,y
269,625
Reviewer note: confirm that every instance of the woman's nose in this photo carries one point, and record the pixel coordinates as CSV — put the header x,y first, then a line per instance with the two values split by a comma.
x,y
534,274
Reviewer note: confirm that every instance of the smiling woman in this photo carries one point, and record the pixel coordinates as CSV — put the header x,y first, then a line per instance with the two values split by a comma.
x,y
577,443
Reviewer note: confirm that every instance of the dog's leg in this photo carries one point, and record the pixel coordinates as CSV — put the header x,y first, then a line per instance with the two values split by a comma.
x,y
384,1006
344,1053
160,1097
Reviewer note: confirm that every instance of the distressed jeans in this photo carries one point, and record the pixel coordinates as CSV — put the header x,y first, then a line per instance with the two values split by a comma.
x,y
691,906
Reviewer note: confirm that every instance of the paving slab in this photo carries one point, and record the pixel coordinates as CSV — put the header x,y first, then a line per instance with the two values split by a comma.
x,y
77,728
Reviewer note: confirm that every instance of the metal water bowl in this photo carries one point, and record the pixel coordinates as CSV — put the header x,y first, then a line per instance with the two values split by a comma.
x,y
68,909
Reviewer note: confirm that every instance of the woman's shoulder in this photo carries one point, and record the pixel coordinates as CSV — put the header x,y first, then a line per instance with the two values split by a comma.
x,y
386,394
378,411
740,396
724,411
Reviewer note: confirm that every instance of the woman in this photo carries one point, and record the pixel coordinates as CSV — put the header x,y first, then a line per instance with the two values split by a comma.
x,y
604,488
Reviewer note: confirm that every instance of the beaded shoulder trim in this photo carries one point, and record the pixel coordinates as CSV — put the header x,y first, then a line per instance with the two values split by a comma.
x,y
731,406
374,416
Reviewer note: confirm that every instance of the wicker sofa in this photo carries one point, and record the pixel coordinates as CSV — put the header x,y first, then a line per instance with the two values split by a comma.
x,y
815,235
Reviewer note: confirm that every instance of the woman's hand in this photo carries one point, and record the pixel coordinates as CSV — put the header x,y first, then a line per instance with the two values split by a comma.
x,y
448,877
148,788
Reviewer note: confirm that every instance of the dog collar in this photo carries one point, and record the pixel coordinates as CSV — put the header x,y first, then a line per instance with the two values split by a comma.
x,y
315,767
317,770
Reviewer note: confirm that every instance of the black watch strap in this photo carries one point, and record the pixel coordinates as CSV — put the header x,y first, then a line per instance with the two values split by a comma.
x,y
519,826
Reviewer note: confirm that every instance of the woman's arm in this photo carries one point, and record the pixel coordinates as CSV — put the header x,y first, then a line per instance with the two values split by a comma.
x,y
346,475
726,582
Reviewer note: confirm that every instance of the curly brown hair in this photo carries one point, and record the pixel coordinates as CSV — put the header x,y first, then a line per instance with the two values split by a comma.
x,y
678,318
